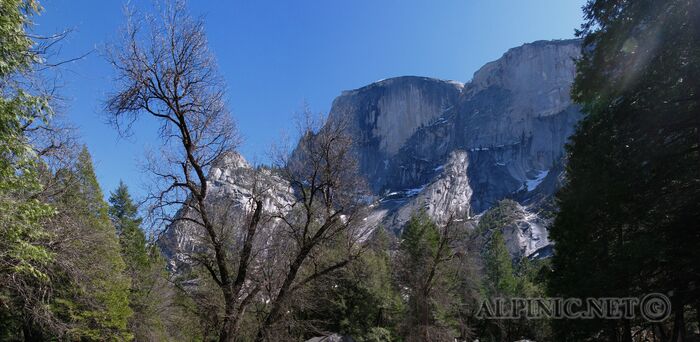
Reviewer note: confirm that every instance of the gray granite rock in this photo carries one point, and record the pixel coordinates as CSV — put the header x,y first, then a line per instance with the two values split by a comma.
x,y
448,148
513,119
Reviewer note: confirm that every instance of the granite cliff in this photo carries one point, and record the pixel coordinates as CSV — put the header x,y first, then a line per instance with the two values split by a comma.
x,y
452,149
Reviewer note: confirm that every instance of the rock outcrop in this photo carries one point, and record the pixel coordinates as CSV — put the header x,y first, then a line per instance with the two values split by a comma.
x,y
456,149
444,198
513,119
451,149
231,183
526,233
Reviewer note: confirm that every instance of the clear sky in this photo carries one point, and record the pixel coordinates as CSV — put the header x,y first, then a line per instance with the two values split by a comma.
x,y
276,55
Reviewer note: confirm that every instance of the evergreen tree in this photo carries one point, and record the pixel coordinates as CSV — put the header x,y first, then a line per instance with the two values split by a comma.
x,y
499,267
631,203
122,210
358,300
426,277
501,278
23,252
144,267
94,293
499,284
124,216
505,277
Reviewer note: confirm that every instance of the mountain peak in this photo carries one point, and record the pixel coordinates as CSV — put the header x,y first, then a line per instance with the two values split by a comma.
x,y
402,81
230,160
451,149
531,70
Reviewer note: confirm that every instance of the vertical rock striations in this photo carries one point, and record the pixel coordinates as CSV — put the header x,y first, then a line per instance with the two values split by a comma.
x,y
451,149
511,122
513,118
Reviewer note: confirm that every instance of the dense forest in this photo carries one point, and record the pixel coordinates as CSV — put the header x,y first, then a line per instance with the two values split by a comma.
x,y
80,264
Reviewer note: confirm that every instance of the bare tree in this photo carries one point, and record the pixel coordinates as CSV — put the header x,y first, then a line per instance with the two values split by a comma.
x,y
165,71
328,210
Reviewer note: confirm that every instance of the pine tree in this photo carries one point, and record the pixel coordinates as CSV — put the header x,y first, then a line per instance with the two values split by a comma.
x,y
95,291
124,216
500,277
499,267
144,267
427,277
631,203
505,277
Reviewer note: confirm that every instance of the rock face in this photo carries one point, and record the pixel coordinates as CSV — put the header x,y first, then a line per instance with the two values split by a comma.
x,y
450,148
231,182
385,116
446,197
525,233
513,119
456,149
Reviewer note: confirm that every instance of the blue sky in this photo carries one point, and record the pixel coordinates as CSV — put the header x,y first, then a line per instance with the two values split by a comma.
x,y
276,55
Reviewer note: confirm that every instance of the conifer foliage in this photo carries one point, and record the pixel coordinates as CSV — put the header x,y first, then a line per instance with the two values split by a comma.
x,y
95,298
629,210
426,277
77,267
143,266
23,252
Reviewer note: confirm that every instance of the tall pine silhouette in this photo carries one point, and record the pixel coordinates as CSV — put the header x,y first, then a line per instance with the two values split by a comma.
x,y
144,266
630,208
94,294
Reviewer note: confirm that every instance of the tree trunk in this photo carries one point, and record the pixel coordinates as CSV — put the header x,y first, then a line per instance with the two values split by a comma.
x,y
697,313
31,334
229,329
679,319
661,332
263,331
626,331
227,333
613,333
